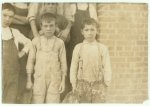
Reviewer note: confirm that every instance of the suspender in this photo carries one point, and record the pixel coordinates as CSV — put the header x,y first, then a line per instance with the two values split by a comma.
x,y
11,33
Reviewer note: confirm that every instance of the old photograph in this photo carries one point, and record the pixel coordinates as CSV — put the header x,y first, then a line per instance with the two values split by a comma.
x,y
74,52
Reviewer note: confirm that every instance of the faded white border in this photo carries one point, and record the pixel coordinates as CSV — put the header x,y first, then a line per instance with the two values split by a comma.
x,y
146,103
130,1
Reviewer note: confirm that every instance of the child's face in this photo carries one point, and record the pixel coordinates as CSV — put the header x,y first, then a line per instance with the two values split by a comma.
x,y
7,17
48,28
89,32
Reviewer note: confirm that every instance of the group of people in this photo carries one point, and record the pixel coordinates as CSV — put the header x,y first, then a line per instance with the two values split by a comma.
x,y
60,49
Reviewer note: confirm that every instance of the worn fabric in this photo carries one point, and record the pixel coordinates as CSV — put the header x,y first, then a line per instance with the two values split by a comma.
x,y
11,68
71,97
46,44
88,66
49,57
91,92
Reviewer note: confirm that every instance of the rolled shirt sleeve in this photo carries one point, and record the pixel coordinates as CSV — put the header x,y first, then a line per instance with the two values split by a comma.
x,y
32,11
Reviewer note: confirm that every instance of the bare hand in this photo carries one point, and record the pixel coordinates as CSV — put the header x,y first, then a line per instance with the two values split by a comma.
x,y
29,85
62,87
107,83
21,54
73,88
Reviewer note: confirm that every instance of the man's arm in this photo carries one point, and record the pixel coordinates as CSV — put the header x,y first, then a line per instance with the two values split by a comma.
x,y
20,20
93,11
32,13
68,12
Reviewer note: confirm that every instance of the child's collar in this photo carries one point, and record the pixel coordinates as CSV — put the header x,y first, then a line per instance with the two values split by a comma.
x,y
49,37
85,41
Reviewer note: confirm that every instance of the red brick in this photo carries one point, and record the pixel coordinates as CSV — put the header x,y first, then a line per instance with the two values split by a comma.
x,y
141,42
126,53
124,42
118,59
134,59
124,29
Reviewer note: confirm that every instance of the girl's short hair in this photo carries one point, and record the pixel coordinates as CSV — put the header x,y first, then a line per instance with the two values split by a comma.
x,y
48,17
89,21
8,6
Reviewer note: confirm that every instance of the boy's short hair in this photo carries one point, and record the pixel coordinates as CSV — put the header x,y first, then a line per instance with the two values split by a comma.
x,y
48,17
8,6
89,21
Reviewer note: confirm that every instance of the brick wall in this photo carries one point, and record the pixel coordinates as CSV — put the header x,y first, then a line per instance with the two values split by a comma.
x,y
124,29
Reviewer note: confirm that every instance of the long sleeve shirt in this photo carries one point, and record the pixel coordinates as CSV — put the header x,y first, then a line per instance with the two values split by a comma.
x,y
45,44
18,38
89,54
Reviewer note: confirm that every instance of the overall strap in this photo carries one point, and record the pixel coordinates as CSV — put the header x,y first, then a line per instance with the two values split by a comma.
x,y
40,48
11,33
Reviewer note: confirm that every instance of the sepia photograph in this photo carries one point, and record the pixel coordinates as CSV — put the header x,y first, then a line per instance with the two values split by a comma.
x,y
74,52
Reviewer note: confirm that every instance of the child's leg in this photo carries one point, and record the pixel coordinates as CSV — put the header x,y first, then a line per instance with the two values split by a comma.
x,y
10,89
84,91
53,85
39,89
38,99
53,98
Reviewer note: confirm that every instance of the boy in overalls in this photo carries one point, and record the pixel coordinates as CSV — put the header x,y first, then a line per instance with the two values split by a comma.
x,y
11,38
48,60
90,71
